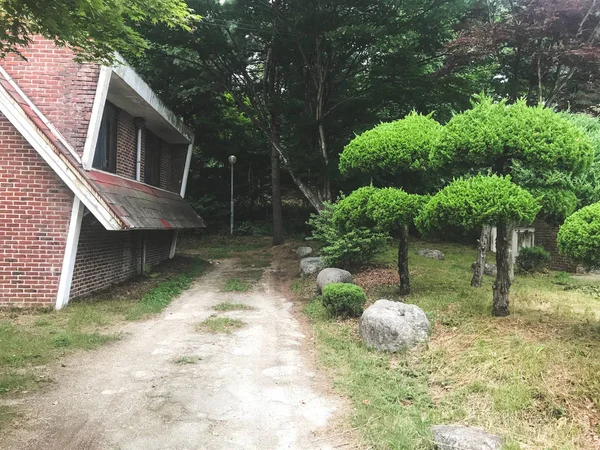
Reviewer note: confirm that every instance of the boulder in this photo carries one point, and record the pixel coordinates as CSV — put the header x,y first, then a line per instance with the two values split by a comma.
x,y
311,265
431,254
303,252
393,326
332,275
489,269
459,437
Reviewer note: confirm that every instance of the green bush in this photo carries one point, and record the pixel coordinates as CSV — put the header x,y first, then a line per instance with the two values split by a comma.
x,y
579,237
533,259
344,300
345,248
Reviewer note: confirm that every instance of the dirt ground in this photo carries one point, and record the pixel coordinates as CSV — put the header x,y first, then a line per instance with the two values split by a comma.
x,y
166,385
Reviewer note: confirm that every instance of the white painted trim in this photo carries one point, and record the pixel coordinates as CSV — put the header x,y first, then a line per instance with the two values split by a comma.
x,y
67,173
135,82
186,170
89,147
173,244
138,155
44,119
66,274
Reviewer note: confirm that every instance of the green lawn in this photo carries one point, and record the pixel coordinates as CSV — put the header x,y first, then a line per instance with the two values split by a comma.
x,y
30,339
533,377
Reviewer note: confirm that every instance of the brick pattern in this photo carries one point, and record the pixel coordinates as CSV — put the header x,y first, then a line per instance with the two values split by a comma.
x,y
165,165
126,145
35,209
545,236
62,89
105,258
177,166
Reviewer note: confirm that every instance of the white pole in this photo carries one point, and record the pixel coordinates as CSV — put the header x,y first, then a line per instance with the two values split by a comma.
x,y
232,159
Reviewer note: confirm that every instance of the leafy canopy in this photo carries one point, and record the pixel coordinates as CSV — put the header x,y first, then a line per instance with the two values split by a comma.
x,y
496,136
95,29
394,147
474,202
579,237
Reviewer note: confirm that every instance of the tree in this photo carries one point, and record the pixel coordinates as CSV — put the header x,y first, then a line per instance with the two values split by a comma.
x,y
541,151
95,30
546,50
579,236
394,154
475,202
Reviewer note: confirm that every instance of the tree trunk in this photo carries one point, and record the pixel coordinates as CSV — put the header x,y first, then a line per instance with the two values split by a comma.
x,y
482,244
502,284
403,262
278,238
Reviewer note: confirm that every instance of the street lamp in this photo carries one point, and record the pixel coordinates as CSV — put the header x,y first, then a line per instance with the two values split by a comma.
x,y
232,160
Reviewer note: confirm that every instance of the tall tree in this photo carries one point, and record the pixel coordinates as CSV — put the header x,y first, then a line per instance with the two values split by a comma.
x,y
95,30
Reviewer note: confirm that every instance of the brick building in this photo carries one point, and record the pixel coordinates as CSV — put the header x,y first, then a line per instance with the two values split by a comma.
x,y
93,171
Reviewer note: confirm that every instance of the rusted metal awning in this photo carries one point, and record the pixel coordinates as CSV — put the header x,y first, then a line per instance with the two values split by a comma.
x,y
143,207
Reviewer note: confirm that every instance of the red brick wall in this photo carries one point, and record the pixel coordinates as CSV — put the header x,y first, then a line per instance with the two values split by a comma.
x,y
63,90
35,209
126,145
165,164
545,236
105,257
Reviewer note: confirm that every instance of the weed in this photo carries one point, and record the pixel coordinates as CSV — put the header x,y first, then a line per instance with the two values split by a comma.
x,y
187,360
215,324
225,306
236,285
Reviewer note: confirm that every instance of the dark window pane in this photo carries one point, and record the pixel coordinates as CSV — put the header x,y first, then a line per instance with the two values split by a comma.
x,y
105,157
152,160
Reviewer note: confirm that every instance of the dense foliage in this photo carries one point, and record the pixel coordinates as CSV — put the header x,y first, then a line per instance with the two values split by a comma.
x,y
533,259
579,237
345,247
481,200
392,208
344,300
94,29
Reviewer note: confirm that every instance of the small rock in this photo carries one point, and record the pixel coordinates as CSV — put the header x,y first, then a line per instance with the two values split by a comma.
x,y
393,326
311,265
303,252
459,437
489,269
431,254
332,275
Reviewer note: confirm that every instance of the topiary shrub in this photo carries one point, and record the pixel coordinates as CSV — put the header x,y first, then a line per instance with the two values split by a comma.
x,y
533,259
579,237
344,300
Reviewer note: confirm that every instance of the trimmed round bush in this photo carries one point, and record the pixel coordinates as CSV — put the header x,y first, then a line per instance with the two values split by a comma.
x,y
533,259
579,237
344,300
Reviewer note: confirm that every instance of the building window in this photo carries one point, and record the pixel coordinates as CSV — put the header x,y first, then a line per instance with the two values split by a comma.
x,y
105,157
152,160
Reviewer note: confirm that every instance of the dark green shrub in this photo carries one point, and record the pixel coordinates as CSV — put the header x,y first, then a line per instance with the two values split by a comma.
x,y
533,259
344,300
579,237
345,248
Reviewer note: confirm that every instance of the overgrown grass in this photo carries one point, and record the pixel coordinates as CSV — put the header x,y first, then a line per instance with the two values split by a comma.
x,y
31,339
533,377
221,246
237,285
226,306
215,324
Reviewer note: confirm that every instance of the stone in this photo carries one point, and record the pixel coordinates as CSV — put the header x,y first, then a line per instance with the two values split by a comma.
x,y
303,252
459,437
392,326
332,275
310,265
489,269
431,254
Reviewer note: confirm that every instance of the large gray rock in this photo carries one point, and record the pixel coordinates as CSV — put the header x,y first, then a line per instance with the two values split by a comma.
x,y
489,269
458,437
431,254
393,326
332,275
310,266
303,252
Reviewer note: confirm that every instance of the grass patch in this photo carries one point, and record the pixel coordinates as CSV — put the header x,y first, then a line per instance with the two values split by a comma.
x,y
226,306
215,324
532,378
32,338
222,246
184,360
237,285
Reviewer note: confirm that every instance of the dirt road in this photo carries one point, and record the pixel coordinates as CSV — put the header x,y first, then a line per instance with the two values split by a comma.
x,y
252,389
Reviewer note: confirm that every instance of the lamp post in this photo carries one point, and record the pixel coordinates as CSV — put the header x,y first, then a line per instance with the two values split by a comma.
x,y
232,160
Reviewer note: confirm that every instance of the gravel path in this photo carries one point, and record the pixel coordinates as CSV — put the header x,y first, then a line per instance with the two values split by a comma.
x,y
252,389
